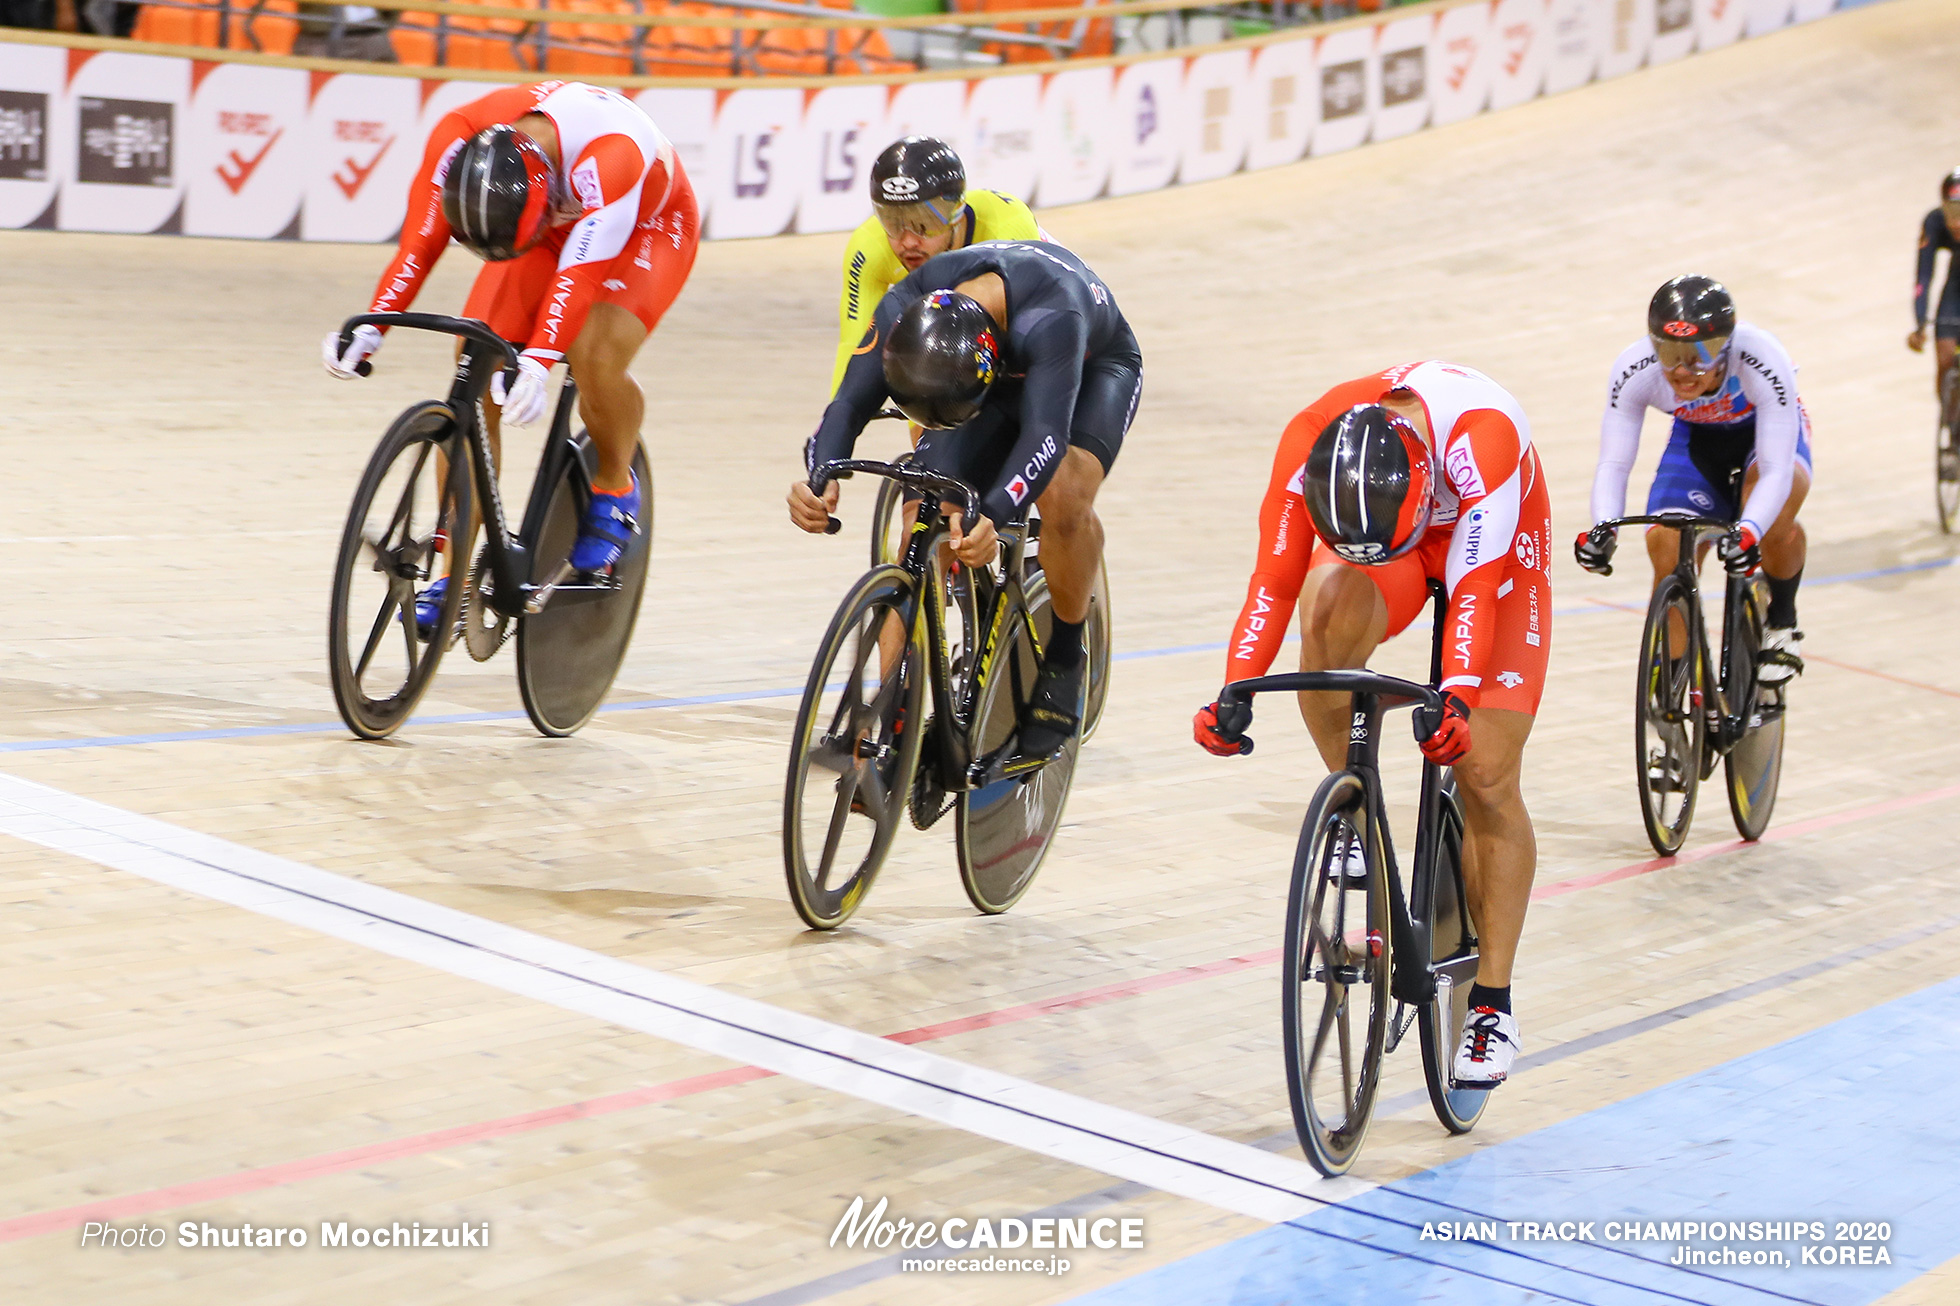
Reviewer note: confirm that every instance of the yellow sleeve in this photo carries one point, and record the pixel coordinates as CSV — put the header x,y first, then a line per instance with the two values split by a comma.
x,y
1001,217
870,269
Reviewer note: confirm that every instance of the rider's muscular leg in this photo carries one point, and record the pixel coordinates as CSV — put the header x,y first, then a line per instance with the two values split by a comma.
x,y
1072,534
1343,617
1942,362
1500,851
1784,543
609,399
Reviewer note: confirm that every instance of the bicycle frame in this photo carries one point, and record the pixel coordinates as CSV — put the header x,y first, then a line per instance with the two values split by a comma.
x,y
1729,717
994,598
1413,977
484,354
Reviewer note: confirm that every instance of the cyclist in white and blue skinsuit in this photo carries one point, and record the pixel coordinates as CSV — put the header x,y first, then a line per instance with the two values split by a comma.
x,y
1739,448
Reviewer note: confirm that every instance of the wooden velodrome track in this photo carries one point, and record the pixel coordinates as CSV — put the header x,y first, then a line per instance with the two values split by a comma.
x,y
182,468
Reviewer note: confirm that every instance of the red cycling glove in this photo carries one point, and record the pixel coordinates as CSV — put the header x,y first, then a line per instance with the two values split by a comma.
x,y
1450,740
1204,729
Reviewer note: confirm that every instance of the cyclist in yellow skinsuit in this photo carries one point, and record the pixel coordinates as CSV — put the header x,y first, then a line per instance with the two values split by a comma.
x,y
921,207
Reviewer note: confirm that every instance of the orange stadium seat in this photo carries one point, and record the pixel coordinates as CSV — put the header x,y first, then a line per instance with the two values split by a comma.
x,y
414,39
270,26
601,47
1099,39
196,24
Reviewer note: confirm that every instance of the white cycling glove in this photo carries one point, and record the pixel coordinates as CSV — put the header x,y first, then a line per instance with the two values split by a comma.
x,y
524,404
366,340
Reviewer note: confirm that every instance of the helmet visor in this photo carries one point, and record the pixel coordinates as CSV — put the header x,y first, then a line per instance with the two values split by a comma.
x,y
1699,357
940,414
924,218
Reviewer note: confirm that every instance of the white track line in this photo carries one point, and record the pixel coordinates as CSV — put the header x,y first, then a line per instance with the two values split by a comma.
x,y
1171,1158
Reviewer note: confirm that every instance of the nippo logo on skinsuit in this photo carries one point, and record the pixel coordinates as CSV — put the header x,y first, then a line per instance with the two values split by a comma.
x,y
899,190
1680,330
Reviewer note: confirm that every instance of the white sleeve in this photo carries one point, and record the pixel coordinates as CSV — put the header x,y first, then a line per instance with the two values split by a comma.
x,y
1634,374
1769,379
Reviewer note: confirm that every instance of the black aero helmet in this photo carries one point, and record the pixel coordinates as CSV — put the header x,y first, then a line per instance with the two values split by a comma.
x,y
920,179
498,193
1368,484
1690,320
941,359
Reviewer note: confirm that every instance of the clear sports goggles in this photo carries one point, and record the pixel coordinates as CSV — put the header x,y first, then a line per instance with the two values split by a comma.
x,y
1697,356
921,218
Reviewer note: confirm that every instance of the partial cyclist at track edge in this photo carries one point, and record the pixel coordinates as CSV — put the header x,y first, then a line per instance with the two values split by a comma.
x,y
1739,449
920,206
588,226
1424,472
1015,359
1939,231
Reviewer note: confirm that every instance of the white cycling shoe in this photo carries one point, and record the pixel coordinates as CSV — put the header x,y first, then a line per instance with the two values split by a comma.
x,y
1490,1044
1780,658
1348,866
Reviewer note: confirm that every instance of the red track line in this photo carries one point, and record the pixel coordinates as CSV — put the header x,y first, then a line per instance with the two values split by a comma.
x,y
354,1158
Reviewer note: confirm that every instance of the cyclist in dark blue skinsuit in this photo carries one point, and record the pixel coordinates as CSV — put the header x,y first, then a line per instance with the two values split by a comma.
x,y
1015,358
1940,231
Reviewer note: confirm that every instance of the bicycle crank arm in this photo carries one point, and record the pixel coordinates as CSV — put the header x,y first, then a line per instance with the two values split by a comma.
x,y
537,596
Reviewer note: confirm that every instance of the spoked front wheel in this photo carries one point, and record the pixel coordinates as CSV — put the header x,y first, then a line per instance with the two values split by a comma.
x,y
1007,826
1670,725
856,745
1946,452
413,496
1755,764
1453,962
1335,997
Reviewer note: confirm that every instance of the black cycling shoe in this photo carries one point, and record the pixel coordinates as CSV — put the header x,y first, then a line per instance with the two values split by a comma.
x,y
1054,710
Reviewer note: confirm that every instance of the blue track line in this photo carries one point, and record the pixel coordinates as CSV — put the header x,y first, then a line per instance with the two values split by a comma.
x,y
734,696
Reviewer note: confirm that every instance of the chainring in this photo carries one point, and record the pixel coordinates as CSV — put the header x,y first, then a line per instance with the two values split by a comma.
x,y
480,636
928,801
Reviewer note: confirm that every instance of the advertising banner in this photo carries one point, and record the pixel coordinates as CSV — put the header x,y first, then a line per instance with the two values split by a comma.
x,y
1147,99
125,170
32,133
124,142
1343,67
1285,106
1522,52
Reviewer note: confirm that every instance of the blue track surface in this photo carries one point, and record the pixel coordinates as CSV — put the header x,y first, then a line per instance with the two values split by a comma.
x,y
1859,1120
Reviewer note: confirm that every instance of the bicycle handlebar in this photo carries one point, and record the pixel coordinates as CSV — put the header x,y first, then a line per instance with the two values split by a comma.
x,y
905,474
1235,700
467,327
1677,520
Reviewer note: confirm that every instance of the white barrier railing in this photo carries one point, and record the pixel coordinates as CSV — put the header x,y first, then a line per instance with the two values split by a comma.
x,y
103,140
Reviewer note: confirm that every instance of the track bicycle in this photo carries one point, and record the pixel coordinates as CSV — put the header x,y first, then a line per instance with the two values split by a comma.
x,y
1364,960
866,751
888,544
1690,710
1946,452
429,484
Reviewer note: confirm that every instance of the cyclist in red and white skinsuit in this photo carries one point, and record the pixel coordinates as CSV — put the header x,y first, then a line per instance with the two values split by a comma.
x,y
1486,538
618,241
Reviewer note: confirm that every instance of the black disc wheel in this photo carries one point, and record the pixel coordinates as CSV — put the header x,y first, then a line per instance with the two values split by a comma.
x,y
1453,962
856,746
569,653
1335,998
1755,764
1670,725
1097,636
1007,825
1946,452
411,497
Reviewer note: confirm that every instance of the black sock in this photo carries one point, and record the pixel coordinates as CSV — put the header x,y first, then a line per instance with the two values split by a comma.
x,y
1496,999
1783,600
1064,644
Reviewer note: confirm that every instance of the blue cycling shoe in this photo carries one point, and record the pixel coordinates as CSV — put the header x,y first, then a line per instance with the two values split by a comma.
x,y
428,608
610,524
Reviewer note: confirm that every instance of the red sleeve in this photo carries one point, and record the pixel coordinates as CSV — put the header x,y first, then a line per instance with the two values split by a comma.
x,y
1286,539
1485,463
608,178
425,233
